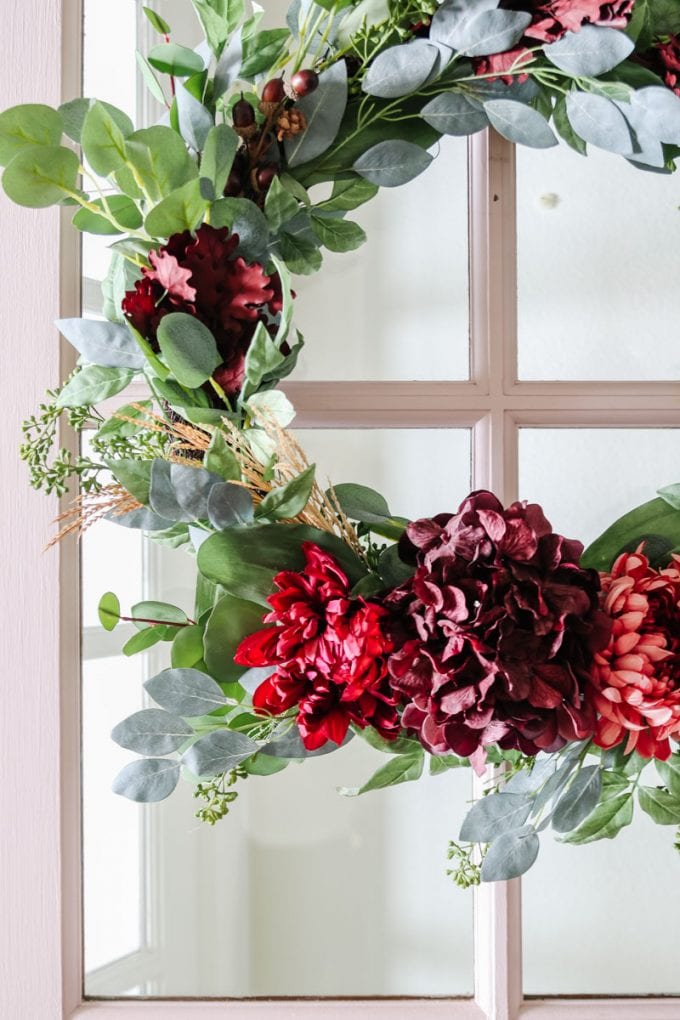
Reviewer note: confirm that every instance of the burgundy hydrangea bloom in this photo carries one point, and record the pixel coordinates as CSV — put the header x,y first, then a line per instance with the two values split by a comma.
x,y
550,20
495,632
330,653
197,273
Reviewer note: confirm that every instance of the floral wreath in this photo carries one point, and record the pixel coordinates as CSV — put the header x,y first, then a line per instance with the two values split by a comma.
x,y
477,637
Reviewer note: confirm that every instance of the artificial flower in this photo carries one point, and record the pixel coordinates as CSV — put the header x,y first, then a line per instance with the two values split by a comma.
x,y
552,18
330,654
637,676
495,632
667,61
199,275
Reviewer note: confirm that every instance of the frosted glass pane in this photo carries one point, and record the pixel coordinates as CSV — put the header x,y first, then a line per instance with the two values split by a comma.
x,y
598,294
421,472
600,919
112,827
398,307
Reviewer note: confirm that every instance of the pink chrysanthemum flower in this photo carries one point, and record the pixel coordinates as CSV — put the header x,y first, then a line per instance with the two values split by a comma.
x,y
637,677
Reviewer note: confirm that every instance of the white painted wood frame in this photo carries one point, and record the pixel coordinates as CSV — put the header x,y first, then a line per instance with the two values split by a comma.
x,y
40,863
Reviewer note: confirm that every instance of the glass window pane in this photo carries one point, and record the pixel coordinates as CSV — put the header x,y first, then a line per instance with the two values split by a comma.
x,y
593,895
398,307
598,295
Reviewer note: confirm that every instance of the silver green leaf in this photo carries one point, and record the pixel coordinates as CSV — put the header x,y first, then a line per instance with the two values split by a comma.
x,y
400,70
519,123
218,752
188,692
591,51
323,109
228,505
147,780
104,343
494,31
392,163
578,800
493,815
600,122
511,855
454,114
151,731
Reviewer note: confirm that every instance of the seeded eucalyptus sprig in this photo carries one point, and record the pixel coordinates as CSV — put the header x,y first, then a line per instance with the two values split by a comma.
x,y
218,795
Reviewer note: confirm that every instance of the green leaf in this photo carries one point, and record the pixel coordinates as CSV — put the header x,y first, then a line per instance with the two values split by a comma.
x,y
105,130
188,347
150,80
564,128
93,383
591,51
187,651
443,763
493,815
612,814
161,612
244,559
218,155
143,640
157,22
179,61
279,206
182,210
133,475
151,731
300,255
220,459
147,780
324,110
122,209
578,800
599,121
489,31
219,19
361,503
454,114
402,745
656,522
105,344
401,769
392,163
245,219
188,692
265,765
160,159
669,772
399,70
73,115
348,195
520,123
41,175
231,620
24,126
511,855
229,505
262,50
108,611
392,568
218,752
289,500
660,805
338,235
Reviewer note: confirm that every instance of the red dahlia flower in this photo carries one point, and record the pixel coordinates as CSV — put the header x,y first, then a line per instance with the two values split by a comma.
x,y
198,274
330,654
499,628
637,676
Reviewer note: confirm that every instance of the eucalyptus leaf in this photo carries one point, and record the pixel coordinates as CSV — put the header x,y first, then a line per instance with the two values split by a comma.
x,y
245,219
452,113
195,120
598,121
151,731
591,51
93,383
220,147
494,815
218,752
192,487
119,207
400,70
188,692
41,175
450,20
262,50
660,112
519,123
104,132
188,347
228,66
323,110
133,475
160,161
392,163
578,800
491,31
255,677
73,115
108,611
179,61
280,206
228,505
29,124
614,812
147,780
348,195
162,495
511,855
220,459
290,746
181,210
107,344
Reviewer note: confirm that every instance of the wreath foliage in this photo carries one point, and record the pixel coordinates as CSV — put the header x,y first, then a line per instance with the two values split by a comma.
x,y
474,637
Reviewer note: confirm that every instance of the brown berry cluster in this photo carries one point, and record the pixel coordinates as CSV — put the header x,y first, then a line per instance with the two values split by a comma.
x,y
258,161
